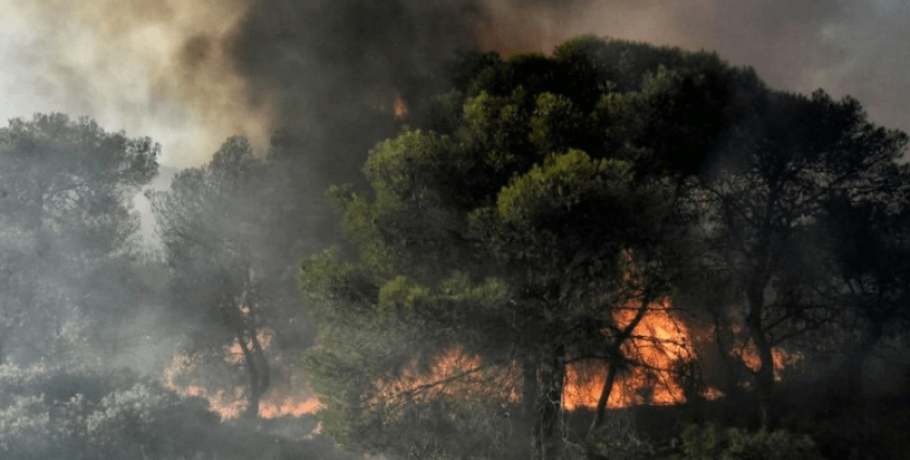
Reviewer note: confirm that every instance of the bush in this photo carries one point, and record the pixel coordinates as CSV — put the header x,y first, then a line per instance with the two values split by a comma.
x,y
710,442
51,412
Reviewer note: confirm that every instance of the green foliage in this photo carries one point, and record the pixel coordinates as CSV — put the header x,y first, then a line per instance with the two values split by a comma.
x,y
712,442
564,181
623,447
508,225
556,123
205,223
402,169
500,226
230,239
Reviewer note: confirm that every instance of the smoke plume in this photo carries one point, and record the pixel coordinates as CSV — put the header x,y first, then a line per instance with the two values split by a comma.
x,y
192,73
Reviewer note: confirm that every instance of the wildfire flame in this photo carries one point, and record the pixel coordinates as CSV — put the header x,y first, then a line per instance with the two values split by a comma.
x,y
660,348
284,398
782,359
398,106
454,374
658,344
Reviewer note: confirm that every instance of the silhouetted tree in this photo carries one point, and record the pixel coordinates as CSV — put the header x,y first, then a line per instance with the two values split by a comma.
x,y
777,173
870,261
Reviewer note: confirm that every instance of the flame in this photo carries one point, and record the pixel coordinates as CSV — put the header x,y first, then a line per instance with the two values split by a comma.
x,y
659,343
289,407
284,398
659,347
400,107
781,358
453,374
233,354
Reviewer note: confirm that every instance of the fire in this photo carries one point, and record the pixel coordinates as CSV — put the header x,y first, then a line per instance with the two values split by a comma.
x,y
233,354
454,374
288,407
782,359
659,348
400,108
658,344
284,397
661,343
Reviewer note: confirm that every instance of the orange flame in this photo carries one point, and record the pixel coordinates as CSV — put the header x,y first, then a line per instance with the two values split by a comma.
x,y
782,359
283,399
659,347
454,374
658,344
400,107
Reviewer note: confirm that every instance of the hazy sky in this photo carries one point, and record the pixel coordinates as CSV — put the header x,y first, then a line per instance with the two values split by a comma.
x,y
189,73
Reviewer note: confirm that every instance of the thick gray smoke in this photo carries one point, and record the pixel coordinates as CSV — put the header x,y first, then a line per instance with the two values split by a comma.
x,y
307,53
191,73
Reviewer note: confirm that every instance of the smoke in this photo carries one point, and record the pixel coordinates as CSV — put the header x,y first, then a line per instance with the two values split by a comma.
x,y
191,73
847,47
147,67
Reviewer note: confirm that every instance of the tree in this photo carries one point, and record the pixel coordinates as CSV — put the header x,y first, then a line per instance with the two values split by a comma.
x,y
231,231
777,178
533,211
205,222
66,199
870,257
84,412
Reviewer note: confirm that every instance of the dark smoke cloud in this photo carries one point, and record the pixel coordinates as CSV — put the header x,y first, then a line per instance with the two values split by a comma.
x,y
192,73
327,66
848,47
314,56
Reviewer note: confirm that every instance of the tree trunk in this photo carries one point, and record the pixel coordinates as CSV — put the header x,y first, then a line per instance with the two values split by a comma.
x,y
600,413
528,415
852,369
529,389
547,435
614,356
262,363
764,377
257,364
252,410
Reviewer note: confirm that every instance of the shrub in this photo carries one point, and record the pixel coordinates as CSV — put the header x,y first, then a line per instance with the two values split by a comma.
x,y
711,442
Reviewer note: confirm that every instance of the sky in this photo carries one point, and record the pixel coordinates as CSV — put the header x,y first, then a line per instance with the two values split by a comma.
x,y
190,73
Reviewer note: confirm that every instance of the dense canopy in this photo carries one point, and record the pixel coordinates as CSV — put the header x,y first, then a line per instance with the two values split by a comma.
x,y
613,251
